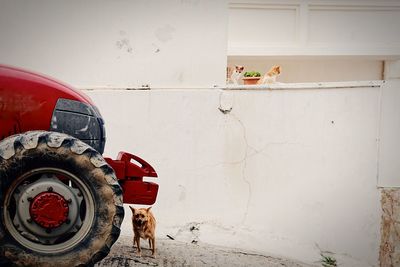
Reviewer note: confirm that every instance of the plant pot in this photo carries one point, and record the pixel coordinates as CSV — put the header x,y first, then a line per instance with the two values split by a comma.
x,y
250,80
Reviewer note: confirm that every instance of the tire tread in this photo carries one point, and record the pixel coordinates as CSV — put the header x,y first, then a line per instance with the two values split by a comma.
x,y
34,139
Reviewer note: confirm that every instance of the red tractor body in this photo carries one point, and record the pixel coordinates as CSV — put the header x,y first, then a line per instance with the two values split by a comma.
x,y
30,101
27,100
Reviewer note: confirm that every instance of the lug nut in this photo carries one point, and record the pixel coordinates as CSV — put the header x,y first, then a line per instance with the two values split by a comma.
x,y
67,221
69,201
29,220
50,189
30,199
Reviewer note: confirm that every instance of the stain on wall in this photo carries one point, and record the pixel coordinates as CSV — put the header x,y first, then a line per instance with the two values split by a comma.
x,y
165,34
124,43
389,254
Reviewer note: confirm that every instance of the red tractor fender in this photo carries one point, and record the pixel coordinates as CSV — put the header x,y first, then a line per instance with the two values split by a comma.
x,y
130,177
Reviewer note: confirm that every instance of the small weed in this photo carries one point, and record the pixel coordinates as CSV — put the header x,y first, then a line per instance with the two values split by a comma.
x,y
328,261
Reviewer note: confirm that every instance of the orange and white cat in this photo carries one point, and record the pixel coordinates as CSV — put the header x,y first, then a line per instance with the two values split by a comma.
x,y
270,76
233,75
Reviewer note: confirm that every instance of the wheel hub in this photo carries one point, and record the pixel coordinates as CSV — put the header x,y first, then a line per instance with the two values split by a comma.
x,y
49,210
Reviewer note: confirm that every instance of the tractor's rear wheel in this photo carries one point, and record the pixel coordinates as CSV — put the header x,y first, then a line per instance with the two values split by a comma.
x,y
61,204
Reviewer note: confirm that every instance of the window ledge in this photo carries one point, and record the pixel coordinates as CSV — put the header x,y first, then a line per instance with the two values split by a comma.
x,y
313,85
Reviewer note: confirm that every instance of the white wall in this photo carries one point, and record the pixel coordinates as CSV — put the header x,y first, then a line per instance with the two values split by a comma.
x,y
118,43
314,28
285,172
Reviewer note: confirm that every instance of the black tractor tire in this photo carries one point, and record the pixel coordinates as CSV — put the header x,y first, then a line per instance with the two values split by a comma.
x,y
25,155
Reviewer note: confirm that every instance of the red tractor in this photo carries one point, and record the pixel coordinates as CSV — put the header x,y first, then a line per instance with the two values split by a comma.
x,y
61,201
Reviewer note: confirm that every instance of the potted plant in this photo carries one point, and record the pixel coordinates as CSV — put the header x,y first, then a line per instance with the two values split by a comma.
x,y
251,77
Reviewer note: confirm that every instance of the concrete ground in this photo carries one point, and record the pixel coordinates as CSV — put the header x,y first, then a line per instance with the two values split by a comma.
x,y
176,253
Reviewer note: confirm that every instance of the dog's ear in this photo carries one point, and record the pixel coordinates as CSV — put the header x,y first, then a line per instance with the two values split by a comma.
x,y
132,209
148,209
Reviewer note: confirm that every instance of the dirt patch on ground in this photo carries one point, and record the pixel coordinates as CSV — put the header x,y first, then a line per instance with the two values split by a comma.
x,y
174,253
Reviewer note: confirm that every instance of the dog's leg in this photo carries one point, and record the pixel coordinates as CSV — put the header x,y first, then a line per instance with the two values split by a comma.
x,y
150,243
153,246
139,251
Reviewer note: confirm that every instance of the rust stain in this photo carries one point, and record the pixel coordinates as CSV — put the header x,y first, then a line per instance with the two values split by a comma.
x,y
389,253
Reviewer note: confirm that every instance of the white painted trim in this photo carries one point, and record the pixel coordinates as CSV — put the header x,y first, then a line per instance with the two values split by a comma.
x,y
264,6
355,6
368,3
274,86
318,85
111,88
350,6
313,49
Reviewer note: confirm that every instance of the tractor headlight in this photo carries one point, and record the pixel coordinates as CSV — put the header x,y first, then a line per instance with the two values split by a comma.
x,y
81,121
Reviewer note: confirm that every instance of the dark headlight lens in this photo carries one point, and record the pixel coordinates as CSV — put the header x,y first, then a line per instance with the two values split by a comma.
x,y
81,121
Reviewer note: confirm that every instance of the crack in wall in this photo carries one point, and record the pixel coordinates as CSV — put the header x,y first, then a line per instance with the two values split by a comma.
x,y
226,107
245,157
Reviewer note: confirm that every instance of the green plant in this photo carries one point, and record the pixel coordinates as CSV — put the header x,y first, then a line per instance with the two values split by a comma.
x,y
252,74
328,261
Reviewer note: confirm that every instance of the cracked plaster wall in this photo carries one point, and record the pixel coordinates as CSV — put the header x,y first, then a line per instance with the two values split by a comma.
x,y
285,172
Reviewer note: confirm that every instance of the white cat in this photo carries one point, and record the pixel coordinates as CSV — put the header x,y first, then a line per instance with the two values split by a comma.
x,y
233,76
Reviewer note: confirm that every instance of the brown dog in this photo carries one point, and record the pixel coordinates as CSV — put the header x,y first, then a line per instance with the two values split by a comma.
x,y
144,226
